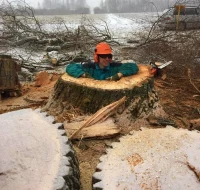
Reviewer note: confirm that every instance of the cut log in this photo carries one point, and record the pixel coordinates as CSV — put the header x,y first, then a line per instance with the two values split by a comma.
x,y
105,129
101,115
9,81
90,95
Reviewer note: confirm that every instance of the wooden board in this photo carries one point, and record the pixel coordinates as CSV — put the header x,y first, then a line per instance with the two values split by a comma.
x,y
105,129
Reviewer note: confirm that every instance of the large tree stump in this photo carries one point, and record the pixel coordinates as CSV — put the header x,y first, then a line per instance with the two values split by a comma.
x,y
90,95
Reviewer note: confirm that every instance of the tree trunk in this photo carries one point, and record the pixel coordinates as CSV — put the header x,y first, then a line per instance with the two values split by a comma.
x,y
90,95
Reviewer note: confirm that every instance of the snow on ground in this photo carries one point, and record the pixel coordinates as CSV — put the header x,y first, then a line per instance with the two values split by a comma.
x,y
24,54
121,26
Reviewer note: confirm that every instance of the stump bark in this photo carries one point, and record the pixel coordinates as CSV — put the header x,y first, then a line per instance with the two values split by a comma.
x,y
90,95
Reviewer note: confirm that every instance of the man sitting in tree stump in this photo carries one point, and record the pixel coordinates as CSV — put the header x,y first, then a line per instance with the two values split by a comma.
x,y
103,68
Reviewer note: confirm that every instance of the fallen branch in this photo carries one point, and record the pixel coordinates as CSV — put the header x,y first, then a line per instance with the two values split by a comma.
x,y
189,72
101,115
26,40
53,48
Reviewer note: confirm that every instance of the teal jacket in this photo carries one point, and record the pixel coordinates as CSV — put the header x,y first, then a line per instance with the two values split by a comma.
x,y
93,69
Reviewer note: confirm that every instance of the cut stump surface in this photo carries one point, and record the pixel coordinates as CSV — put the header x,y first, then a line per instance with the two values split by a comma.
x,y
124,83
90,95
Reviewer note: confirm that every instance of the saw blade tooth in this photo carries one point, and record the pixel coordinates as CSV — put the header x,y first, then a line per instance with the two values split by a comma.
x,y
97,175
64,140
100,166
58,125
66,149
115,144
38,110
64,170
98,185
59,183
50,119
44,114
170,127
62,132
65,161
102,158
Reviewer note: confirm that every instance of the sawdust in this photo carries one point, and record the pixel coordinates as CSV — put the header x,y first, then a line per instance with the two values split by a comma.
x,y
33,95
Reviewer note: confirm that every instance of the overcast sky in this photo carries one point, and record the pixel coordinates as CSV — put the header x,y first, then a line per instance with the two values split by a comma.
x,y
34,3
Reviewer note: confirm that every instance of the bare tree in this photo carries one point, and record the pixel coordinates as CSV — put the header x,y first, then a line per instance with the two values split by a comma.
x,y
20,28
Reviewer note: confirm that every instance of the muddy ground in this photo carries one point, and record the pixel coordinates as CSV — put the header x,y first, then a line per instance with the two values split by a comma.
x,y
179,101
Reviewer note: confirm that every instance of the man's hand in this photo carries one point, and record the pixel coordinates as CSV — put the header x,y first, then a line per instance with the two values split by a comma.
x,y
115,77
86,75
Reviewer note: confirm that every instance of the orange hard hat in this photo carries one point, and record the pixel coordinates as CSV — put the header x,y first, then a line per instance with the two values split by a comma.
x,y
102,48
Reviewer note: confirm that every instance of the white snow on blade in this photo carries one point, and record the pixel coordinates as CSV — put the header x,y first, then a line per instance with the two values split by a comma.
x,y
30,151
166,158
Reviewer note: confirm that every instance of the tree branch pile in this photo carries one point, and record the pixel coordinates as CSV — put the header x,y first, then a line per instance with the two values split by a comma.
x,y
20,28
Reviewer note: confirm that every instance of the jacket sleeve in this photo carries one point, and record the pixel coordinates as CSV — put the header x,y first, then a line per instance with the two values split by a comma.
x,y
75,70
128,69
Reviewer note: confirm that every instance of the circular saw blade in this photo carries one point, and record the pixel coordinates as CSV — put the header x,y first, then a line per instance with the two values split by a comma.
x,y
165,158
35,153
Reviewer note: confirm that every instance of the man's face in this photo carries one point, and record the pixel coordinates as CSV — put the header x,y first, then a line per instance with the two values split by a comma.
x,y
104,60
